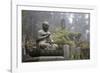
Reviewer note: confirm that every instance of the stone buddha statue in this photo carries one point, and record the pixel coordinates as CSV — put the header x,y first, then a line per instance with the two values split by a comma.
x,y
44,37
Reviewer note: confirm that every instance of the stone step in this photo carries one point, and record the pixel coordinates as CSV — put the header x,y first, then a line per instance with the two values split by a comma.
x,y
43,58
50,58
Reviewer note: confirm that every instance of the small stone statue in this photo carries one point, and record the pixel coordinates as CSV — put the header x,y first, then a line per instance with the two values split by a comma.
x,y
44,37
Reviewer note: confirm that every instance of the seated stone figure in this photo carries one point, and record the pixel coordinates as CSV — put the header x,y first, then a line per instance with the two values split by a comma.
x,y
44,38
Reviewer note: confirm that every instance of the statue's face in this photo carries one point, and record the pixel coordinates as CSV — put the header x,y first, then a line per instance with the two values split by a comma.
x,y
45,27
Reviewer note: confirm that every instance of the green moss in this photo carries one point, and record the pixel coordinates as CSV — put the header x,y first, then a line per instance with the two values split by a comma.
x,y
84,45
63,36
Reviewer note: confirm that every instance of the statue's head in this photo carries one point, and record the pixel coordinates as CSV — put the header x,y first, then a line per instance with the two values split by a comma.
x,y
45,26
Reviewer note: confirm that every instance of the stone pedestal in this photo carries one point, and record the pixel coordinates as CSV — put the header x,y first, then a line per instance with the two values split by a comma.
x,y
66,52
75,53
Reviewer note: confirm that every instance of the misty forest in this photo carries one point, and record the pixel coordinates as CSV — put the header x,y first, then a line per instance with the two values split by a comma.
x,y
69,30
